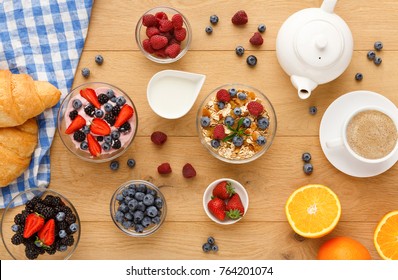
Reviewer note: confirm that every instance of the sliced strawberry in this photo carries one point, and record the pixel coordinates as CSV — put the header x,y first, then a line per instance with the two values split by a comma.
x,y
76,124
93,146
125,114
47,233
90,95
100,127
33,223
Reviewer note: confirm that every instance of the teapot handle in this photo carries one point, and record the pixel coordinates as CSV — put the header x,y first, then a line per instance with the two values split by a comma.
x,y
328,6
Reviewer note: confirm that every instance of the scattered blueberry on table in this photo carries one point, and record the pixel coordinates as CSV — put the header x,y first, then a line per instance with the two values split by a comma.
x,y
86,72
209,29
214,19
99,59
114,165
130,162
308,168
261,28
377,60
251,60
378,45
313,110
210,245
358,76
371,55
306,157
239,50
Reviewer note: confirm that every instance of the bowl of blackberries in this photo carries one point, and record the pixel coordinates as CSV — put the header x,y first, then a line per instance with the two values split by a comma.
x,y
97,122
40,224
138,208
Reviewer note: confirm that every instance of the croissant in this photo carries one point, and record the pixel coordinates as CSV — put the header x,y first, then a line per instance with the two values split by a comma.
x,y
16,147
22,98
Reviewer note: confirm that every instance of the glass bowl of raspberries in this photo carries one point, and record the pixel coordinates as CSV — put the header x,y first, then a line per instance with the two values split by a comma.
x,y
42,224
236,123
138,208
97,122
163,34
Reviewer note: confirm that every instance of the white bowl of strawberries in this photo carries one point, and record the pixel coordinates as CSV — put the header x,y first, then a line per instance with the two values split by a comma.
x,y
225,201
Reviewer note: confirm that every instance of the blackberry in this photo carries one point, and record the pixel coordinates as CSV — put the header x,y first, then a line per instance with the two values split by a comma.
x,y
19,220
30,205
39,207
51,250
16,239
116,110
117,144
103,98
62,225
89,110
70,218
110,118
100,138
48,213
52,201
73,114
125,127
68,241
32,251
67,210
79,136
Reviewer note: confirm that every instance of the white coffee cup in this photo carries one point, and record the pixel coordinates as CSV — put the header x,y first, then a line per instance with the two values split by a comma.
x,y
343,142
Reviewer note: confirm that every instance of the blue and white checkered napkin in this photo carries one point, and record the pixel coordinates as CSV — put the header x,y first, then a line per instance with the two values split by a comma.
x,y
42,38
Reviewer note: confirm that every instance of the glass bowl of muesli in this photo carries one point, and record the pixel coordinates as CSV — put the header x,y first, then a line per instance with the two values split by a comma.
x,y
236,123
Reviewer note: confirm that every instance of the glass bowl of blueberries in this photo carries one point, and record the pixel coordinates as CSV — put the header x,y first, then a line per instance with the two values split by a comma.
x,y
236,123
41,224
97,122
138,208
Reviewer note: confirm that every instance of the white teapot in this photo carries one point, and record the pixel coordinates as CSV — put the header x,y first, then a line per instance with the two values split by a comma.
x,y
314,46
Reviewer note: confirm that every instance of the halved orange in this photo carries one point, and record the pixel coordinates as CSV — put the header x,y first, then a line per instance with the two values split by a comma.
x,y
386,236
313,210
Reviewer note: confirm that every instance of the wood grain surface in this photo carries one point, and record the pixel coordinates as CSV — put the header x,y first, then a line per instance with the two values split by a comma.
x,y
264,232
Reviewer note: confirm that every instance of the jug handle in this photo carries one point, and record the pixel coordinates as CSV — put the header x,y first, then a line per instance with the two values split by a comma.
x,y
328,5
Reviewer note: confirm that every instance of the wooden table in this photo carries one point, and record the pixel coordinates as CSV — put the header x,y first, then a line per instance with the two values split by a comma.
x,y
264,232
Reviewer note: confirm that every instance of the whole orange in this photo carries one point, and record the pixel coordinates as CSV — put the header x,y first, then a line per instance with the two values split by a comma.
x,y
343,248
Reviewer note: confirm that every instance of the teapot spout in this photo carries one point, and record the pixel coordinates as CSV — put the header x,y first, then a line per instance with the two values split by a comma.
x,y
328,5
304,86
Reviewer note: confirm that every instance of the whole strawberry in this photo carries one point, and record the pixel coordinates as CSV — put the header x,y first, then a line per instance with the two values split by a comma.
x,y
255,108
240,18
223,190
256,39
234,207
223,96
216,206
219,132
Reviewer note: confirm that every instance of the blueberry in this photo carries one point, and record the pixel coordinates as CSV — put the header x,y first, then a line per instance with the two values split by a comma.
x,y
237,141
211,240
110,93
215,143
108,139
371,55
261,140
229,121
242,96
156,220
62,248
151,211
306,157
119,216
15,228
237,111
60,216
123,208
308,168
247,122
141,206
62,233
132,187
214,248
358,76
148,200
141,188
146,222
115,134
120,101
139,196
86,129
131,192
119,197
152,192
221,105
239,50
133,204
108,107
113,99
313,110
139,228
206,247
138,216
106,146
99,59
232,92
130,162
213,19
76,104
261,28
251,60
99,113
114,165
128,216
86,72
378,45
377,60
263,123
127,199
209,29
84,145
73,227
204,121
159,202
127,224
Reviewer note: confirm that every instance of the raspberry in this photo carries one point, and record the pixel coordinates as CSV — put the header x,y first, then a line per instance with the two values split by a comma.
x,y
240,18
188,171
223,95
174,41
180,34
255,108
161,53
152,31
161,15
164,168
158,42
256,39
177,21
165,25
219,132
149,20
146,44
173,50
158,137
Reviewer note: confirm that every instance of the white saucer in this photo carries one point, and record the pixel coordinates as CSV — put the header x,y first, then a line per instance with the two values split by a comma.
x,y
331,126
